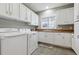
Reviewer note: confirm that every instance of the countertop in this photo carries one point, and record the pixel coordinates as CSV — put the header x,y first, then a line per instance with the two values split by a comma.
x,y
6,34
55,30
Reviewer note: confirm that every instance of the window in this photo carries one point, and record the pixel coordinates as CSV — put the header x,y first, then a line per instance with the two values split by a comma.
x,y
48,22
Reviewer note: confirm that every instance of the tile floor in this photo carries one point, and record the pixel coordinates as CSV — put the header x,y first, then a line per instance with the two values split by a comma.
x,y
52,50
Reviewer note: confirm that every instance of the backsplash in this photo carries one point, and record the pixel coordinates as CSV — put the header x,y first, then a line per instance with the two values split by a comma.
x,y
71,27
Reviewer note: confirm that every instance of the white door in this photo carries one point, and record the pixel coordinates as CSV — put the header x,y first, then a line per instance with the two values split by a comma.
x,y
14,10
76,37
16,45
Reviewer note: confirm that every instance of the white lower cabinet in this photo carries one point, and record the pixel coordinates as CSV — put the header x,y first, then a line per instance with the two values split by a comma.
x,y
32,42
75,41
42,37
50,38
15,45
61,39
68,39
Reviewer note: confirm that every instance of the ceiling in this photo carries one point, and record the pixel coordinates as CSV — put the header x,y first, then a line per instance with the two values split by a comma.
x,y
43,6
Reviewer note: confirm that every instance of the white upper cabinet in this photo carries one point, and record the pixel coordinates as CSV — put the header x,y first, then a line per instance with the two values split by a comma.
x,y
65,16
76,11
23,12
28,15
37,18
34,18
4,9
9,10
14,10
18,12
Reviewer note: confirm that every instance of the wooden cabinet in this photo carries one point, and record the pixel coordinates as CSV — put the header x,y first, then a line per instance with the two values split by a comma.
x,y
65,16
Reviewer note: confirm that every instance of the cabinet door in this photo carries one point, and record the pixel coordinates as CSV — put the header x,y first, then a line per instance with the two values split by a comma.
x,y
60,16
67,39
42,37
76,11
76,37
14,45
35,40
32,43
69,16
23,12
65,16
50,38
4,9
14,10
36,18
59,39
28,15
32,18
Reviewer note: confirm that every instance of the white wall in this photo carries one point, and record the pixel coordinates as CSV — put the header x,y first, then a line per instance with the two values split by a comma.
x,y
44,14
50,12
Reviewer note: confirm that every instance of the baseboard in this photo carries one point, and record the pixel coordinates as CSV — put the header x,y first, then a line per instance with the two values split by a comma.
x,y
54,45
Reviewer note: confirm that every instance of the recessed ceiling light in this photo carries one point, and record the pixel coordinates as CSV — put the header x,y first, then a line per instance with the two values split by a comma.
x,y
47,7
